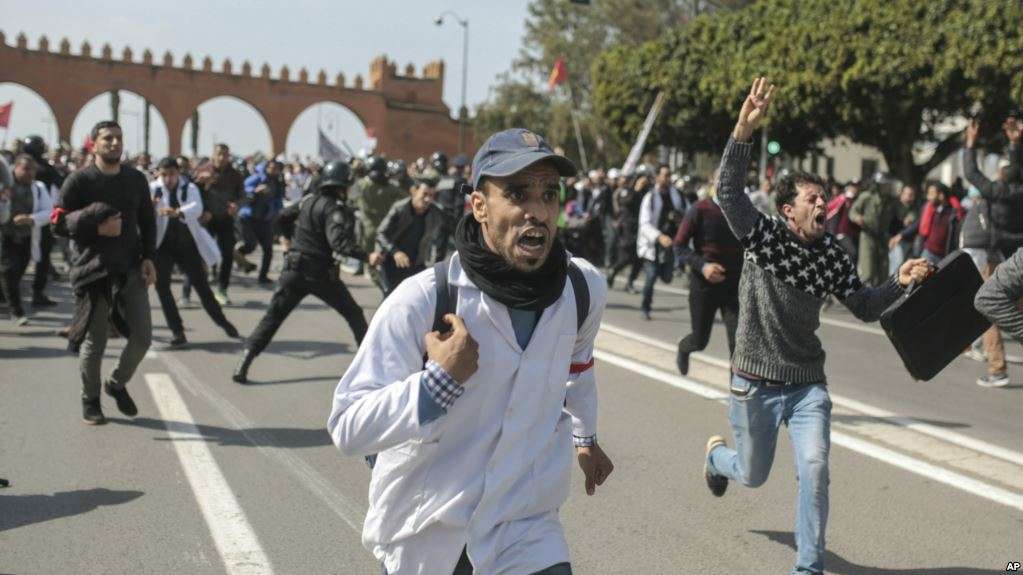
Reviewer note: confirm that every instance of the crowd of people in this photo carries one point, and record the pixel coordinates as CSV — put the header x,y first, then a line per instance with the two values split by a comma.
x,y
433,235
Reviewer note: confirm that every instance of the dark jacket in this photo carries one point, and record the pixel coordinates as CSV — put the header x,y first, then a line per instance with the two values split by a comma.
x,y
1005,200
322,229
397,223
221,187
91,256
89,275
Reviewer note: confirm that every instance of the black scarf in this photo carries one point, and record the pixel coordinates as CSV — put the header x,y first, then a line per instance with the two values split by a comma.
x,y
495,277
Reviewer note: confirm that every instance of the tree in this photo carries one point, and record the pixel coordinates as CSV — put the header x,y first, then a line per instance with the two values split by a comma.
x,y
885,73
577,33
519,104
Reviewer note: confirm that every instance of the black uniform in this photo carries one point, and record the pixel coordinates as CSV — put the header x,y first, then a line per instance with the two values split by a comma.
x,y
323,235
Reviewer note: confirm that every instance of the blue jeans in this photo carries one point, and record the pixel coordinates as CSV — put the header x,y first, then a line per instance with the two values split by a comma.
x,y
930,256
651,271
756,412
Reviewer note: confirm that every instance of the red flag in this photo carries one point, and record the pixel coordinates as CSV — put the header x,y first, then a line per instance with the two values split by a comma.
x,y
5,114
558,75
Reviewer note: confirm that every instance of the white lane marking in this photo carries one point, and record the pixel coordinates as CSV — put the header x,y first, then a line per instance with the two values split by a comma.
x,y
342,505
825,320
906,462
952,437
235,540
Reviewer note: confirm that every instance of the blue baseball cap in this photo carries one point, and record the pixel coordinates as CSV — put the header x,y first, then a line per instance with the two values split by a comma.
x,y
509,151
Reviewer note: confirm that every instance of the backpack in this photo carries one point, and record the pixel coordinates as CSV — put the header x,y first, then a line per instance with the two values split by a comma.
x,y
447,295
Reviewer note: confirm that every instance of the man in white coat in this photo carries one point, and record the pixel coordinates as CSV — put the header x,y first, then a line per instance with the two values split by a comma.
x,y
181,240
660,213
474,449
24,211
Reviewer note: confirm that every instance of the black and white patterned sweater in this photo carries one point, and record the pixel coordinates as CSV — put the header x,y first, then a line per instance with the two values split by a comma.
x,y
784,284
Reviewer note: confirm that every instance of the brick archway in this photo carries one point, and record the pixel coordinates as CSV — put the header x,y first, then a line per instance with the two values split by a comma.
x,y
82,124
335,112
233,101
405,112
36,96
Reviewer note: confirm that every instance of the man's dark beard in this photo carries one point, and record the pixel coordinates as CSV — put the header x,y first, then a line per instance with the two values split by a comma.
x,y
496,277
107,159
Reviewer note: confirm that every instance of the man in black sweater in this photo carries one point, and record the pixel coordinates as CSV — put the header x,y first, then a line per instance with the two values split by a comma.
x,y
715,262
113,262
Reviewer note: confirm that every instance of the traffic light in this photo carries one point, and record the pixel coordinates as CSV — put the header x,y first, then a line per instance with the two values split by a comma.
x,y
773,148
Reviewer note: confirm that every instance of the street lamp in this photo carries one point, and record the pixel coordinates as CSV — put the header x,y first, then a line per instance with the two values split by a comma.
x,y
463,111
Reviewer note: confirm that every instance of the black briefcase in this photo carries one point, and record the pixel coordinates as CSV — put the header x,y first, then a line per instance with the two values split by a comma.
x,y
935,321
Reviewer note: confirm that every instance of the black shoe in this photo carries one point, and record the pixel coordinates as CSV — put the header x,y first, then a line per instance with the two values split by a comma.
x,y
4,483
230,330
610,282
264,281
716,483
92,413
124,402
646,315
178,341
241,371
682,360
40,300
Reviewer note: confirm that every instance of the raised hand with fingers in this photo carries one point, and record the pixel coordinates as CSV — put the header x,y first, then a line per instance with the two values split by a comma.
x,y
1013,129
972,130
754,109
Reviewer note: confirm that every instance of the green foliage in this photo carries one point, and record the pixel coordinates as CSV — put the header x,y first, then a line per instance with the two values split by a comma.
x,y
578,34
885,73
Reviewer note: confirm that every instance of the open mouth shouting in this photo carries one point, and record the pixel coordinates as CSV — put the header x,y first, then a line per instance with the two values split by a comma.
x,y
532,243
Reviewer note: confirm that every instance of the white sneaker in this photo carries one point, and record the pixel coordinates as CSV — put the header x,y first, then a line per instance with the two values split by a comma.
x,y
998,380
20,320
184,302
221,297
976,355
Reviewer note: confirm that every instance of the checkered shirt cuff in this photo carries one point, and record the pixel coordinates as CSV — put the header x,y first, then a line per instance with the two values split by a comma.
x,y
443,388
589,441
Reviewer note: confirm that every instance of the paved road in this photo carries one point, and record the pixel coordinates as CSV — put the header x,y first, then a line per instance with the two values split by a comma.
x,y
213,477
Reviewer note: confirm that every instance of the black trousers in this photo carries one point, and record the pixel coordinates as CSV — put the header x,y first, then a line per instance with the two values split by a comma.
x,y
258,232
705,299
14,258
45,265
222,230
292,287
181,251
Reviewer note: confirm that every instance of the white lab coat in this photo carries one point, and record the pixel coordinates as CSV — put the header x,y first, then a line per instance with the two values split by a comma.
x,y
42,205
649,213
491,473
191,208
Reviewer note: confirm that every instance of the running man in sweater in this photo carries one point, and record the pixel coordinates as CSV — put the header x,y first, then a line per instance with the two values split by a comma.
x,y
791,266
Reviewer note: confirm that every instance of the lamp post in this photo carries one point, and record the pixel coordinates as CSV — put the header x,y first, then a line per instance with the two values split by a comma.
x,y
463,111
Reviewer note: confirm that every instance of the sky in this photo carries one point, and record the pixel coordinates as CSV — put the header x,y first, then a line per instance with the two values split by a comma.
x,y
338,36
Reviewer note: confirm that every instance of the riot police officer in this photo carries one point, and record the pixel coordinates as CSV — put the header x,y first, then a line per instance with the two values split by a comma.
x,y
324,235
373,196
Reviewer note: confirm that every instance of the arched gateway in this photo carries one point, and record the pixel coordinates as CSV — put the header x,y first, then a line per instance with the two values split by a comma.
x,y
404,112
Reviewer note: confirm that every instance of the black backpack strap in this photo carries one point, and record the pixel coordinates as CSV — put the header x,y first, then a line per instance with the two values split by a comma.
x,y
582,294
447,295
